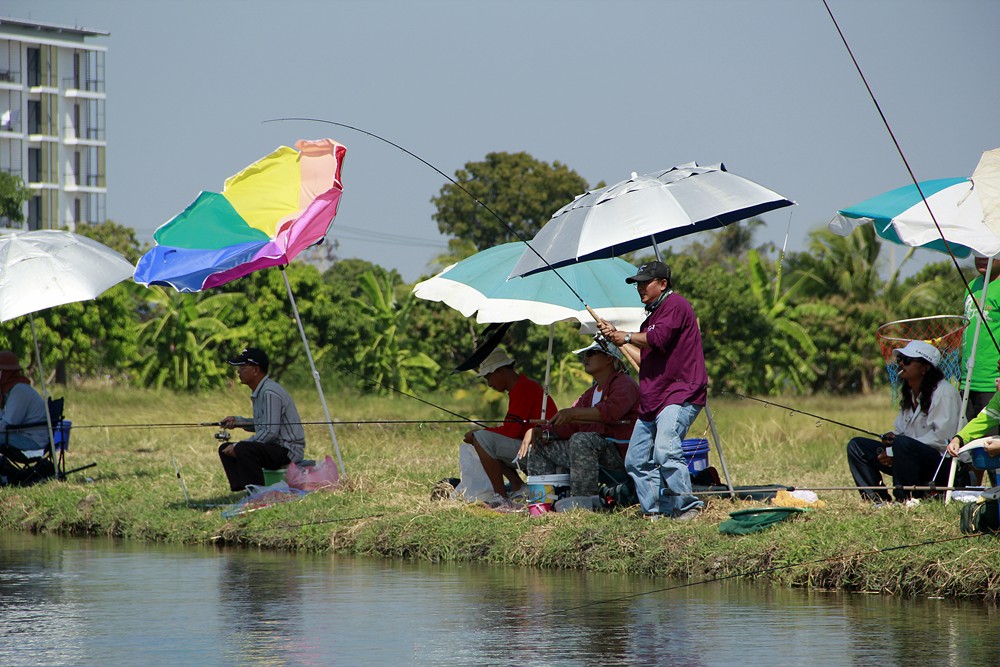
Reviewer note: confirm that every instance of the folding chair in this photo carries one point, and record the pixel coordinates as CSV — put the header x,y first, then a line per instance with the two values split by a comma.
x,y
24,468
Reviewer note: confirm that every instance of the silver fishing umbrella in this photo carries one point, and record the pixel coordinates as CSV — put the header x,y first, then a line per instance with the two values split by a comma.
x,y
643,211
48,268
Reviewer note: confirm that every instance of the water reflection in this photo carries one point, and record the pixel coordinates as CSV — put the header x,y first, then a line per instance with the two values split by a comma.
x,y
94,602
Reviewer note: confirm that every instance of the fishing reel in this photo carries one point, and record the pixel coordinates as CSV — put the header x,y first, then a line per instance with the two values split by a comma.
x,y
223,435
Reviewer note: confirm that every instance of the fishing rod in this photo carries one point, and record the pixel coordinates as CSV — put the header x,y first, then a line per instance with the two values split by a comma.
x,y
909,170
361,422
803,412
765,570
510,228
782,487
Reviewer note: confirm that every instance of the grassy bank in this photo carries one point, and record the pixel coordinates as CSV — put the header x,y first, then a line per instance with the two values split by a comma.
x,y
385,509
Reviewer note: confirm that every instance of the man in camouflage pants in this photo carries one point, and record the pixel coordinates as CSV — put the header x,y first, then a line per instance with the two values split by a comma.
x,y
594,432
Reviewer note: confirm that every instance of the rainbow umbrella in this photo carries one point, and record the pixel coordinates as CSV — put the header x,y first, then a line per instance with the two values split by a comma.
x,y
266,215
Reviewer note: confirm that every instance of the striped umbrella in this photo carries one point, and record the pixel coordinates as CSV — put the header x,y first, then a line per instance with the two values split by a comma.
x,y
902,217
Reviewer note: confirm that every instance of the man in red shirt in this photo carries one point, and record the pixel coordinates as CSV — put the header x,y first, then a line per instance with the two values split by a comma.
x,y
497,446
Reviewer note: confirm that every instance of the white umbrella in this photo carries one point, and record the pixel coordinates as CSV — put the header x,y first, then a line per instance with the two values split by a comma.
x,y
643,211
47,268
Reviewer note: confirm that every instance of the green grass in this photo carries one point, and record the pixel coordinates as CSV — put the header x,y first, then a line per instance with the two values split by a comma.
x,y
384,506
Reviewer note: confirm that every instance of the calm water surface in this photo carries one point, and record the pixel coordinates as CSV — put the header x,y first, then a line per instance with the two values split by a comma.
x,y
98,602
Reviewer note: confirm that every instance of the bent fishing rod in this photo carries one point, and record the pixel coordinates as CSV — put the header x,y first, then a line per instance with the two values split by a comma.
x,y
510,228
909,170
803,412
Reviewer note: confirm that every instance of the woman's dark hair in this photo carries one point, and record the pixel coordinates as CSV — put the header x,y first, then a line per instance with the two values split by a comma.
x,y
927,386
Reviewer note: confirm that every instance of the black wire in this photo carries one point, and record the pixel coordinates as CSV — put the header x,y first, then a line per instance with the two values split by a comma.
x,y
916,183
463,420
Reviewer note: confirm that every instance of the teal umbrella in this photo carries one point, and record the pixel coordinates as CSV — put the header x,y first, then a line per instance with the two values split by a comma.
x,y
479,284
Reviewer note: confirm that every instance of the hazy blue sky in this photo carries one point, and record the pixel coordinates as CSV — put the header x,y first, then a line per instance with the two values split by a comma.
x,y
604,87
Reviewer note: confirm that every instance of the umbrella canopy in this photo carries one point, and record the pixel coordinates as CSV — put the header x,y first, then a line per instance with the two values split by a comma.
x,y
643,211
479,284
266,215
901,216
47,268
987,182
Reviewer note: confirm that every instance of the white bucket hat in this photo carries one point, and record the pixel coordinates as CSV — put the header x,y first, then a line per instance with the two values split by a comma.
x,y
498,359
919,349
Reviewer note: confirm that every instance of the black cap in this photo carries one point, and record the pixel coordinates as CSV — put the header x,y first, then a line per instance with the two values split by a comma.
x,y
251,355
650,271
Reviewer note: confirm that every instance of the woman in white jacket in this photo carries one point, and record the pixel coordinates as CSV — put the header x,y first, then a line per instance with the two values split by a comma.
x,y
927,420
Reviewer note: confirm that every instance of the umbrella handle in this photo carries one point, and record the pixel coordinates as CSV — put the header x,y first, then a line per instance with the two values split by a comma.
x,y
627,354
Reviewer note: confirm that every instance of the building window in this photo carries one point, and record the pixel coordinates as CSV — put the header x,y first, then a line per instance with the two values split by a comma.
x,y
34,117
34,67
34,165
34,212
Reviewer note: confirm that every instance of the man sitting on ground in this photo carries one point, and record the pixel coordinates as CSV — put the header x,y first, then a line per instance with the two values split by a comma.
x,y
278,437
594,433
497,446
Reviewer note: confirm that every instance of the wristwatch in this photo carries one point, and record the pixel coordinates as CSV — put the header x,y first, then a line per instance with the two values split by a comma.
x,y
628,338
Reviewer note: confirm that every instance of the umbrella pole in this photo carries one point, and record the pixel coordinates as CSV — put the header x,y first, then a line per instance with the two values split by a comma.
x,y
718,448
970,364
315,373
45,394
548,368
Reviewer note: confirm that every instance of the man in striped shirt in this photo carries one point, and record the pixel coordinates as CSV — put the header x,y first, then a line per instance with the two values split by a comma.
x,y
278,437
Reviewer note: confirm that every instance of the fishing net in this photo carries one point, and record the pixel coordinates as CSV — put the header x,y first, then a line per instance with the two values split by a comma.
x,y
942,331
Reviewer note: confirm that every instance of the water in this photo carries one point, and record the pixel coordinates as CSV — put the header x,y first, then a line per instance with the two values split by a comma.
x,y
98,602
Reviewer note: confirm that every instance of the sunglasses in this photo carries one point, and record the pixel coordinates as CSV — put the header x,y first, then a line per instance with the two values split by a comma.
x,y
904,361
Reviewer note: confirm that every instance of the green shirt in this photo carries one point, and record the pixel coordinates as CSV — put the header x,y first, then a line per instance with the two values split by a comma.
x,y
984,373
984,423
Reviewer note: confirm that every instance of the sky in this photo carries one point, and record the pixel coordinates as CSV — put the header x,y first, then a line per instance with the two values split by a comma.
x,y
607,88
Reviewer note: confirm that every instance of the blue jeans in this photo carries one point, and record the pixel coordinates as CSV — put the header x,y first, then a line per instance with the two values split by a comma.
x,y
655,460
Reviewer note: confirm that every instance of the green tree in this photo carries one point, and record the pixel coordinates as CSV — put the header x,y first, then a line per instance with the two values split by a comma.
x,y
523,191
13,194
383,357
183,342
117,237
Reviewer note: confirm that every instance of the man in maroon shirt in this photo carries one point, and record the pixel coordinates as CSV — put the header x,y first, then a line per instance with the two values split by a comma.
x,y
594,433
497,446
672,389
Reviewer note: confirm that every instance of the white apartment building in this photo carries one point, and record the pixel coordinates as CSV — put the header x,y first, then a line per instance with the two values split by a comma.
x,y
52,121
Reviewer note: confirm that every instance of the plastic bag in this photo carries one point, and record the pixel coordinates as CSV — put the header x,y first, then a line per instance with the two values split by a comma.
x,y
323,475
475,484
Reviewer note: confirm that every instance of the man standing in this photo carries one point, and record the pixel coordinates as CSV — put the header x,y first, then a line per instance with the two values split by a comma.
x,y
498,446
278,437
672,391
592,434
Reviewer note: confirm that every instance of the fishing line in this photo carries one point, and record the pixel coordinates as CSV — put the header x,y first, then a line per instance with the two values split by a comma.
x,y
496,215
906,163
463,420
803,412
760,571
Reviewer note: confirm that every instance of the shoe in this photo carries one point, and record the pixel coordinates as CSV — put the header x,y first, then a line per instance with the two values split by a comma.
x,y
912,502
688,515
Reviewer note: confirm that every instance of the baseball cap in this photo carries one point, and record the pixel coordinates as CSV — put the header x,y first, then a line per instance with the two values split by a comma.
x,y
250,355
650,271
